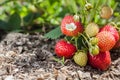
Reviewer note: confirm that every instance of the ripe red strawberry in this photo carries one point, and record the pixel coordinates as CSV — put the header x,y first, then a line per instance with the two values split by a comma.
x,y
106,41
64,49
112,30
70,27
117,45
101,61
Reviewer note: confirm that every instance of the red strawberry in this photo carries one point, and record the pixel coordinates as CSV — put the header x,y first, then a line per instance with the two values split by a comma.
x,y
70,27
106,41
101,61
112,30
117,45
64,49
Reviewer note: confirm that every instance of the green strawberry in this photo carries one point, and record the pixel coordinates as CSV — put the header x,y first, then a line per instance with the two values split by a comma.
x,y
80,58
94,50
94,40
92,29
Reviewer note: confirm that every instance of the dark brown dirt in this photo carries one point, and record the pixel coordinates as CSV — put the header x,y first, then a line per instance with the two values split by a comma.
x,y
31,57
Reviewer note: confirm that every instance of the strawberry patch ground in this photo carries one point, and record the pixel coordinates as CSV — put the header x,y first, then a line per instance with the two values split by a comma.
x,y
31,57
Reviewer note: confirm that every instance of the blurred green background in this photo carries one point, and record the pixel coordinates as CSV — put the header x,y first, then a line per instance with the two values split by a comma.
x,y
40,15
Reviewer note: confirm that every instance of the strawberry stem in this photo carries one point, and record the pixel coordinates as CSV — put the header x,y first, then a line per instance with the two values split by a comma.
x,y
86,40
62,61
115,25
76,43
84,44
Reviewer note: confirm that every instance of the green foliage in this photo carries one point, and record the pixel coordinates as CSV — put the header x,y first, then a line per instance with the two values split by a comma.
x,y
22,15
54,33
30,12
92,15
14,22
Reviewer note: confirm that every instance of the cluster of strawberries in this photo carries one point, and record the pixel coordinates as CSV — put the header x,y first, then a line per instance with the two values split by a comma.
x,y
97,42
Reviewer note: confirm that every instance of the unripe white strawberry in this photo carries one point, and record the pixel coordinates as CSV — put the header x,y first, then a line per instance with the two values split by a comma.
x,y
80,58
106,12
92,29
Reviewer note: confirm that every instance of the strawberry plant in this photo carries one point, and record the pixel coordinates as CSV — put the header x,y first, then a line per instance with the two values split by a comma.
x,y
93,30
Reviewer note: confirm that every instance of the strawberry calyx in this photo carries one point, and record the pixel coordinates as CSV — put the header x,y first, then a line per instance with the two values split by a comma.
x,y
76,17
88,6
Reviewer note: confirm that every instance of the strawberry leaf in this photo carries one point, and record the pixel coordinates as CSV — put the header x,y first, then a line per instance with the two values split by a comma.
x,y
54,34
80,41
14,22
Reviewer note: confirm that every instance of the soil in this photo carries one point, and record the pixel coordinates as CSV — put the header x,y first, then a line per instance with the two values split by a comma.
x,y
31,57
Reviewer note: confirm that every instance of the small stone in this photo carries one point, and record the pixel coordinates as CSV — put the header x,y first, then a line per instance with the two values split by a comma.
x,y
1,78
95,76
20,49
9,78
83,75
87,74
1,48
46,75
2,58
80,73
61,76
40,79
11,54
55,72
19,43
3,71
16,70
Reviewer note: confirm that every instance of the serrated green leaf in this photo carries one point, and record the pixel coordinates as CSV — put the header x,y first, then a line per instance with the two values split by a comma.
x,y
68,38
28,19
3,25
82,3
79,40
54,34
14,22
81,43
